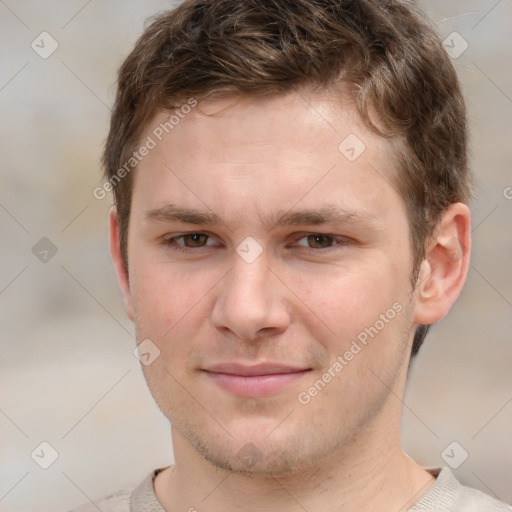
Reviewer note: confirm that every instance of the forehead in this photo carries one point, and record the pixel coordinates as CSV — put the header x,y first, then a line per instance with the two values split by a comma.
x,y
241,123
266,153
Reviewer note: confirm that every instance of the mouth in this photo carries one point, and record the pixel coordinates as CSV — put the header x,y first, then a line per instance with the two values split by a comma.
x,y
254,380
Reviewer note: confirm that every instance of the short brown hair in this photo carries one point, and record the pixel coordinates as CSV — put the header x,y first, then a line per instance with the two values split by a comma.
x,y
380,51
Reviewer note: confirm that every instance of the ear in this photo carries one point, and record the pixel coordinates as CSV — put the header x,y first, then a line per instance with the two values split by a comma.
x,y
444,270
119,263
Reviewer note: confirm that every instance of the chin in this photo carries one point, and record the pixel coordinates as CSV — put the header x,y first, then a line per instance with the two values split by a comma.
x,y
251,461
259,454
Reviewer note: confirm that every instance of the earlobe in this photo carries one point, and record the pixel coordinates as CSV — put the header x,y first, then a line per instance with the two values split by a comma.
x,y
443,272
119,263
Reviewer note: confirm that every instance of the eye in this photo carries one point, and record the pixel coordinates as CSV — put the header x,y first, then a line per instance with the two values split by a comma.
x,y
189,241
317,241
194,239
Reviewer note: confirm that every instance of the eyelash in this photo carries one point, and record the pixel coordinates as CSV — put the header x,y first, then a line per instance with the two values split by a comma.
x,y
171,242
337,241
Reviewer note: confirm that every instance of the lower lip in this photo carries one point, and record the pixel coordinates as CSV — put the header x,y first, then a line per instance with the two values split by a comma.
x,y
254,385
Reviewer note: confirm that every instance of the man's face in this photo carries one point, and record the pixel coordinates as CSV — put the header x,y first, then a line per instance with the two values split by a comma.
x,y
261,252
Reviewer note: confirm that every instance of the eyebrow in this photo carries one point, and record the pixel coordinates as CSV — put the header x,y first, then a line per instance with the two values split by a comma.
x,y
326,215
173,213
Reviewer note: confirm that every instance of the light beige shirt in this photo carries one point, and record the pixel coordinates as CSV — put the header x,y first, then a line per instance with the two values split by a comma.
x,y
446,495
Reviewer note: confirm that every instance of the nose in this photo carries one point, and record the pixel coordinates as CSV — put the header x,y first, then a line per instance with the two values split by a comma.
x,y
251,301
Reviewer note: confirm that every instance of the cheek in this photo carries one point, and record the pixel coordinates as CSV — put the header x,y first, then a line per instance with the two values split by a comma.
x,y
348,300
161,298
368,315
172,307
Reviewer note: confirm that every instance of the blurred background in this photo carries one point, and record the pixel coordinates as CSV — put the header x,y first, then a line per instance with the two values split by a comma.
x,y
68,375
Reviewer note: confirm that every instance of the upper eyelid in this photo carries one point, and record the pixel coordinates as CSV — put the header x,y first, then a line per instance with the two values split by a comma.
x,y
173,238
300,234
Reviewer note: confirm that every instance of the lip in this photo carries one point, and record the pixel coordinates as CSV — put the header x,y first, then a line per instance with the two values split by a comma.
x,y
254,380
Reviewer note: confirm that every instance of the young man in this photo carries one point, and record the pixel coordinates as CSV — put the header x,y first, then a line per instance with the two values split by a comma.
x,y
291,188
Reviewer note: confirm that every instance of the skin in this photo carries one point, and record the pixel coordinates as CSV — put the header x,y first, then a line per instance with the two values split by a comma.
x,y
302,302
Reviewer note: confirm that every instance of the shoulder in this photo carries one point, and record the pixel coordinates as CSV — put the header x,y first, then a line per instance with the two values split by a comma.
x,y
472,500
116,502
138,497
449,495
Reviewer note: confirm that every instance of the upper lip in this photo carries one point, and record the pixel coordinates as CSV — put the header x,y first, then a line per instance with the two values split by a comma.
x,y
256,369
